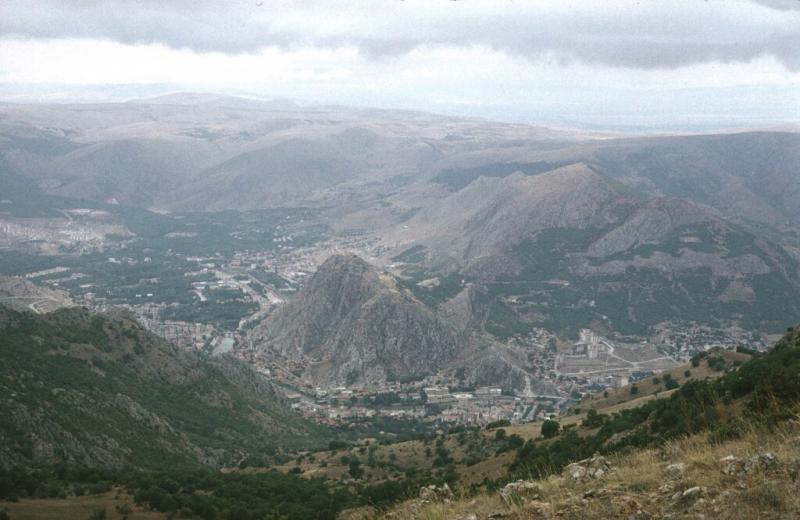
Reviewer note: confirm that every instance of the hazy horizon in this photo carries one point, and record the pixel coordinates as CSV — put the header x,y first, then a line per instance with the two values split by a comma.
x,y
675,66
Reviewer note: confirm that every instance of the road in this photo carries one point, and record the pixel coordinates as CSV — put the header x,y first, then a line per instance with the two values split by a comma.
x,y
265,304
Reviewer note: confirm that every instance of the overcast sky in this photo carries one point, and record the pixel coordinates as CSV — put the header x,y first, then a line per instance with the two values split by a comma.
x,y
608,63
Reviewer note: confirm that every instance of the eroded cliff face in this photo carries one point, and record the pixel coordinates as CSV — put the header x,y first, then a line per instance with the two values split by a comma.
x,y
350,325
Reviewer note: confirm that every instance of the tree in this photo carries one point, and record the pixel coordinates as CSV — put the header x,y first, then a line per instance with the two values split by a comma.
x,y
671,384
550,429
98,514
593,419
355,470
716,363
634,390
337,445
500,435
515,441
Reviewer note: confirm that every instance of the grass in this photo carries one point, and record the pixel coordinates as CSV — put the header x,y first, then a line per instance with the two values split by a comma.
x,y
621,398
639,483
78,508
394,459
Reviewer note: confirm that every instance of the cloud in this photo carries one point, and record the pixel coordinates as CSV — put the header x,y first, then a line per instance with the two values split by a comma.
x,y
616,33
781,5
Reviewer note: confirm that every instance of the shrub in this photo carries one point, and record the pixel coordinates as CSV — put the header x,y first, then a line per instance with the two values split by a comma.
x,y
550,429
716,364
593,419
515,441
98,514
337,445
355,469
498,424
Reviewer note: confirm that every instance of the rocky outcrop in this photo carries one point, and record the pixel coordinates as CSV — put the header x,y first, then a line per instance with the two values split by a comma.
x,y
435,493
354,326
736,467
595,467
521,491
675,471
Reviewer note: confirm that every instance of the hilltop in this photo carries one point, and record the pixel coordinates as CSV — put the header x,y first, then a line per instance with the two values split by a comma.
x,y
352,325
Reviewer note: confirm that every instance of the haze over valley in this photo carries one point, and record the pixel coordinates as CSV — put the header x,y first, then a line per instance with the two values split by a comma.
x,y
487,251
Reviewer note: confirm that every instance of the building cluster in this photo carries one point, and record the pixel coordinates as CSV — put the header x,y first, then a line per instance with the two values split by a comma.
x,y
184,334
433,404
684,340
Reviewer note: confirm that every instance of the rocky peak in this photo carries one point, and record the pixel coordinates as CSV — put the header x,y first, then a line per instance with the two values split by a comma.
x,y
350,325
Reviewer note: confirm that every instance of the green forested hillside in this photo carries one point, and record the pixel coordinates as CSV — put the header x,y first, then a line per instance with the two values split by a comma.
x,y
100,391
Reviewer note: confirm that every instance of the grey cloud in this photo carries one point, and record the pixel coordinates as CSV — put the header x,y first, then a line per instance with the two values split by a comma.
x,y
617,33
781,5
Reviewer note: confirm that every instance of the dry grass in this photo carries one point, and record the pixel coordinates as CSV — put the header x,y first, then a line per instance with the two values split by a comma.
x,y
640,488
412,454
622,398
77,508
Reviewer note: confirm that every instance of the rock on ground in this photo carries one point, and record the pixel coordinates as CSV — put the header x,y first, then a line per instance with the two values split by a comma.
x,y
734,466
520,491
592,468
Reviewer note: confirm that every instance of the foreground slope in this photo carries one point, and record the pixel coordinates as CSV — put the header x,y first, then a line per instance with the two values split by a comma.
x,y
723,446
685,480
100,391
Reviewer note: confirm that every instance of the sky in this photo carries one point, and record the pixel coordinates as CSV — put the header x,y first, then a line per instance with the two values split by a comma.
x,y
647,64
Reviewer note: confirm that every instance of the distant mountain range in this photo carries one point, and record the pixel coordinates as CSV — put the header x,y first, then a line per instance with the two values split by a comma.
x,y
573,247
512,226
